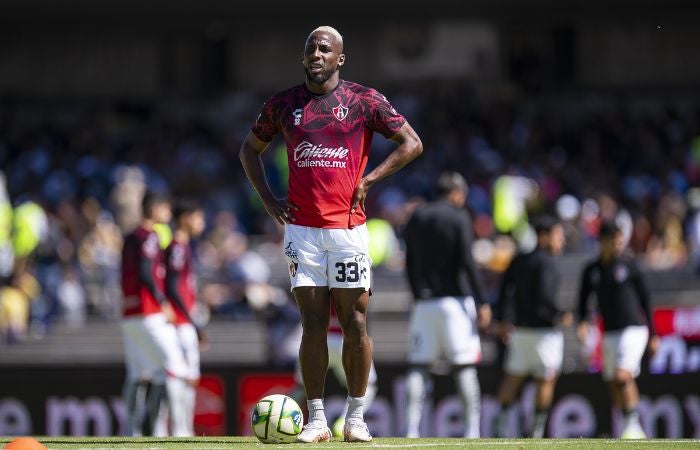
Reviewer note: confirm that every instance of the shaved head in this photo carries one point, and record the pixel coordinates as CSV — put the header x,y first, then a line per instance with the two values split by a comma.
x,y
329,30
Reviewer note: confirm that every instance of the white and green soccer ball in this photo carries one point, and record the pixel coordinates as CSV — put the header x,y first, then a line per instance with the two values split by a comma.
x,y
277,419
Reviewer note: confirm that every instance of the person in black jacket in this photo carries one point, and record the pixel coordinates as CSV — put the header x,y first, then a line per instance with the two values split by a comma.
x,y
449,300
623,303
529,320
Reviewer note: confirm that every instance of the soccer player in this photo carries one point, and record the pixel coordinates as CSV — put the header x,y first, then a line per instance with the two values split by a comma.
x,y
529,321
327,124
335,364
181,290
623,303
150,344
449,301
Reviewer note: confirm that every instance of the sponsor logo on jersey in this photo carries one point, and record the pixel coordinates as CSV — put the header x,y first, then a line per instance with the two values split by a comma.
x,y
298,114
307,154
340,112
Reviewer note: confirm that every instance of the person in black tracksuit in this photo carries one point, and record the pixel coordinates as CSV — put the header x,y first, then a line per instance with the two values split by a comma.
x,y
449,301
529,318
623,304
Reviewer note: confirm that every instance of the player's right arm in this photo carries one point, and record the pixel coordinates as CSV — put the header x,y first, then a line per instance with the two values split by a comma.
x,y
505,310
279,209
149,253
583,295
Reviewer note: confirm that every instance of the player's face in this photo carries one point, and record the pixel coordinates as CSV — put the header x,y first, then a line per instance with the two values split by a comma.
x,y
322,57
613,245
197,223
557,239
162,213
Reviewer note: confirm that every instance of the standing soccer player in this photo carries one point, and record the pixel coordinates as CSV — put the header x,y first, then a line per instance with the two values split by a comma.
x,y
152,354
449,301
527,302
623,303
328,124
181,290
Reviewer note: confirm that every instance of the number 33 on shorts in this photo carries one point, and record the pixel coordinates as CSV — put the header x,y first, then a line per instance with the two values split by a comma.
x,y
337,258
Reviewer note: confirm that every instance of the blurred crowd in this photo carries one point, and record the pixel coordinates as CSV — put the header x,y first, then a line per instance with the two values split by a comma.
x,y
73,174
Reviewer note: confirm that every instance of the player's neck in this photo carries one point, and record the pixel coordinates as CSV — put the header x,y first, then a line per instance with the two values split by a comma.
x,y
181,236
147,224
325,88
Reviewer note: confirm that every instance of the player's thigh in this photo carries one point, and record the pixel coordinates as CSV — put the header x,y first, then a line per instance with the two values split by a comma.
x,y
314,307
633,342
424,331
520,352
130,332
550,354
189,343
167,346
611,344
307,261
349,264
335,356
460,337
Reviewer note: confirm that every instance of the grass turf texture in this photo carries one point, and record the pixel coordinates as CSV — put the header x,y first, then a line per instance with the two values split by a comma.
x,y
231,443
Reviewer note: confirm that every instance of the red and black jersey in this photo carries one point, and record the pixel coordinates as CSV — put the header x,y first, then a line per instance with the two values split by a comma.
x,y
180,281
143,273
328,139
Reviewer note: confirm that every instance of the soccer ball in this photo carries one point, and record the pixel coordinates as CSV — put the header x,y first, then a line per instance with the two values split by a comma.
x,y
277,419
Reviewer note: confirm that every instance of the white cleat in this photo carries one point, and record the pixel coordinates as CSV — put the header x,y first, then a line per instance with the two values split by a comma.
x,y
633,432
315,432
356,431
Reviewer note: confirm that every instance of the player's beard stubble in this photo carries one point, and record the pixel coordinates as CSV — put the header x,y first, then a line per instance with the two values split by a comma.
x,y
320,78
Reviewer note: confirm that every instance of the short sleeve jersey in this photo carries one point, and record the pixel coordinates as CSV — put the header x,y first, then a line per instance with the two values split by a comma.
x,y
138,299
179,261
328,139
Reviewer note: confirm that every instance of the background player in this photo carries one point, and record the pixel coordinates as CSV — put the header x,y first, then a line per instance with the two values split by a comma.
x,y
181,290
447,290
623,303
327,124
527,301
152,354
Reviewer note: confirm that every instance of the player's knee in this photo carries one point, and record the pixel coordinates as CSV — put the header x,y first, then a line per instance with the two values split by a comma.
x,y
314,324
355,329
622,377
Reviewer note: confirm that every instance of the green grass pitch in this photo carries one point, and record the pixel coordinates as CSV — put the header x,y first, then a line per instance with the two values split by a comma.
x,y
232,443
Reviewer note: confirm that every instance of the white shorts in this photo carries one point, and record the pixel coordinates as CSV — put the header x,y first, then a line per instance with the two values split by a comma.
x,y
151,348
623,349
537,352
189,343
333,257
444,328
335,361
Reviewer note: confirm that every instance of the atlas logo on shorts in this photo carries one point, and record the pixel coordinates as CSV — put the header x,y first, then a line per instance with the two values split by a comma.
x,y
290,253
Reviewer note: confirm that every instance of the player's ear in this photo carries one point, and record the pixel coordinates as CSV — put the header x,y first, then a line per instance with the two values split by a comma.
x,y
341,59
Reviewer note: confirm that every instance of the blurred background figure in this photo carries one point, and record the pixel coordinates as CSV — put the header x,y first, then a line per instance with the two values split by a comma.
x,y
530,317
181,290
450,305
624,305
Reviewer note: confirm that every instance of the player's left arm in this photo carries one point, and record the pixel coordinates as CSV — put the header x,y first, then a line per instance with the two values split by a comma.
x,y
645,302
172,282
476,283
410,146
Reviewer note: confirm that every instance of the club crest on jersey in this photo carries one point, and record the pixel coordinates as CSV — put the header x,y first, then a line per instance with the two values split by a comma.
x,y
297,116
340,112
